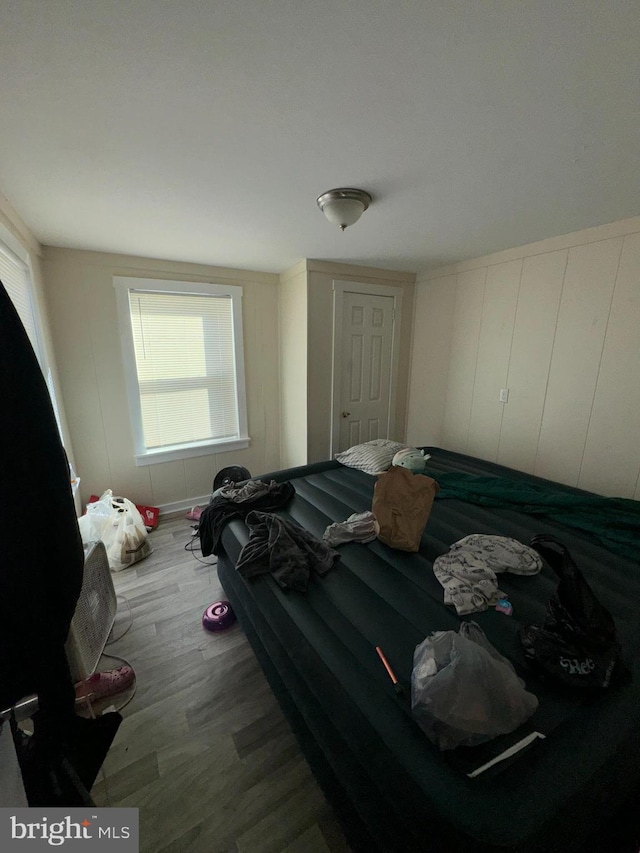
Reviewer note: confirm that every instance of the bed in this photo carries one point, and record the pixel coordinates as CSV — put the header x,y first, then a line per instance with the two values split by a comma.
x,y
392,789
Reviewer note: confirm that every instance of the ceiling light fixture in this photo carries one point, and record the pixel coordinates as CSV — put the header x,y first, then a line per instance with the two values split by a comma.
x,y
344,206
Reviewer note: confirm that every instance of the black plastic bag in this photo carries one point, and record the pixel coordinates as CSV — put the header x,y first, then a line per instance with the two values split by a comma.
x,y
577,643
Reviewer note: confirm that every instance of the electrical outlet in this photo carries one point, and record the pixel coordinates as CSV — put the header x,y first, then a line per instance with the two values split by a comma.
x,y
504,395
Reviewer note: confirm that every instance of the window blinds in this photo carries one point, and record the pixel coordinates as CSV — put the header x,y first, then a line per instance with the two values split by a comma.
x,y
184,350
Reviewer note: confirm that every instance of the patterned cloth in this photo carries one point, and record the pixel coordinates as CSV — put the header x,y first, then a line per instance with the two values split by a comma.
x,y
372,457
468,571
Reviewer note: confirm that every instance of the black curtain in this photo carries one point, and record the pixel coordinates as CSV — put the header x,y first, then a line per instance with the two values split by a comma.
x,y
41,568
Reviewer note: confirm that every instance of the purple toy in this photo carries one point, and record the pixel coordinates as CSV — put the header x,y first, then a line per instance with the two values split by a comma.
x,y
218,616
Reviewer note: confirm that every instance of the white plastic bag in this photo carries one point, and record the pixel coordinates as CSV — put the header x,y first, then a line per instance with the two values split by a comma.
x,y
117,522
463,692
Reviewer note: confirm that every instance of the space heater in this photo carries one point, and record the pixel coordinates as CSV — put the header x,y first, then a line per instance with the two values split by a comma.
x,y
94,615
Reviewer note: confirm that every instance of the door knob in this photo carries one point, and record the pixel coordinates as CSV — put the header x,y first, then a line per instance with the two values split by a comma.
x,y
346,414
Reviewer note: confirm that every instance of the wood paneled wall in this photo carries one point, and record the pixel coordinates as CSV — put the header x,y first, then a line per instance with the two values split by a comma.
x,y
559,326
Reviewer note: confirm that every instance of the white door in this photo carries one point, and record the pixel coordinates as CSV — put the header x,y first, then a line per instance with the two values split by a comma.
x,y
366,368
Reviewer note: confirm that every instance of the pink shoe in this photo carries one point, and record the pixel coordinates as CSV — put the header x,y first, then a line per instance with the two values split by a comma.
x,y
103,684
194,513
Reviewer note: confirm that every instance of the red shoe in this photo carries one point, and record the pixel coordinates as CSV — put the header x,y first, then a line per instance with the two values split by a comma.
x,y
103,684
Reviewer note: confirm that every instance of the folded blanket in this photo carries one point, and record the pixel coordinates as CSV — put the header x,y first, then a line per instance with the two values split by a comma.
x,y
284,549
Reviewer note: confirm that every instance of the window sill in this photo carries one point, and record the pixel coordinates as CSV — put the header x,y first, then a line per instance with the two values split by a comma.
x,y
185,451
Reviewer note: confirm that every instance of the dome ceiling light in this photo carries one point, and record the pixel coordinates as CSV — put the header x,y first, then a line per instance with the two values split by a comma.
x,y
344,206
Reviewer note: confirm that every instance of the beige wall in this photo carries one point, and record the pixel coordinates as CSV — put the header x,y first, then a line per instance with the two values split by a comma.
x,y
555,322
82,302
320,344
432,342
292,305
288,329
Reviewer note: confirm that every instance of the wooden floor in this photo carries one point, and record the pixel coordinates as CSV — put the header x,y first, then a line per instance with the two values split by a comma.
x,y
203,750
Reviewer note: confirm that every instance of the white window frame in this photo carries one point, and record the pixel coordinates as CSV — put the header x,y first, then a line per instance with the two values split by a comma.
x,y
142,455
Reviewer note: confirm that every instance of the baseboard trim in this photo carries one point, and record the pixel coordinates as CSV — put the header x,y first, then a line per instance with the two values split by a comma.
x,y
177,506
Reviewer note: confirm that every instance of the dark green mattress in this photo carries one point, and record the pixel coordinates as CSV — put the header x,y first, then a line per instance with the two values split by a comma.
x,y
393,789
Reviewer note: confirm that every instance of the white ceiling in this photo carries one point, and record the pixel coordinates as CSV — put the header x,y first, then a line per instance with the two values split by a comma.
x,y
203,130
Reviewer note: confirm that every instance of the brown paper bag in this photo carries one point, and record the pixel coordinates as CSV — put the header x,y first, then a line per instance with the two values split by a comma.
x,y
402,502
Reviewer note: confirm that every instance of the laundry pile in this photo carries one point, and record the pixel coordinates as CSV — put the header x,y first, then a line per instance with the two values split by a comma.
x,y
289,552
233,501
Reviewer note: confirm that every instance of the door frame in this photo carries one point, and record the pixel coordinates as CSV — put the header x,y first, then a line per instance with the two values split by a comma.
x,y
339,289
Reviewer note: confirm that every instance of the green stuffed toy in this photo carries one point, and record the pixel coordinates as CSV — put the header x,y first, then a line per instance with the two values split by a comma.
x,y
411,458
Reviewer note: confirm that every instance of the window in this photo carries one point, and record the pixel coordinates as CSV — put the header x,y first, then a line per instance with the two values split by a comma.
x,y
182,345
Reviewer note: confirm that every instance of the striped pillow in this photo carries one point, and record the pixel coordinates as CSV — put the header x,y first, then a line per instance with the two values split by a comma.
x,y
372,457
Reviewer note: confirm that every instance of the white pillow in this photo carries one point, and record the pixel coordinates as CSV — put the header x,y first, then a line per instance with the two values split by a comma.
x,y
372,457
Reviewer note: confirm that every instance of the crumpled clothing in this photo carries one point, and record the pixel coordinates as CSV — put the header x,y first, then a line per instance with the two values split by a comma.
x,y
250,491
468,571
220,510
359,527
286,550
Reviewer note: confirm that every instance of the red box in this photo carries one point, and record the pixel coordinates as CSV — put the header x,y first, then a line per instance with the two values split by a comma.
x,y
149,513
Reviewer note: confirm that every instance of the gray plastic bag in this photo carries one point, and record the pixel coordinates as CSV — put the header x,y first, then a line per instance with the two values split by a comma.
x,y
463,692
